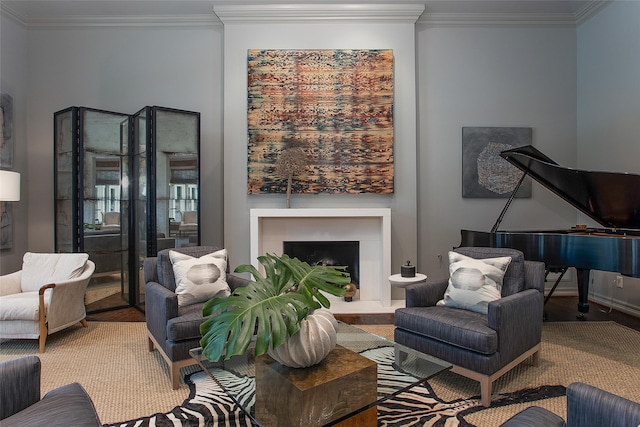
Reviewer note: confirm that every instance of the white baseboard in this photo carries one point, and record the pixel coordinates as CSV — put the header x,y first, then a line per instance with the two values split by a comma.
x,y
618,305
564,289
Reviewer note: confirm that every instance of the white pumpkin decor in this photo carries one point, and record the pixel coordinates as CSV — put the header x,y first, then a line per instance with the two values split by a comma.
x,y
311,344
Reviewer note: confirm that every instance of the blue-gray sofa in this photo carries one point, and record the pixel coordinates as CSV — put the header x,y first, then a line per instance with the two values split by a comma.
x,y
587,406
22,406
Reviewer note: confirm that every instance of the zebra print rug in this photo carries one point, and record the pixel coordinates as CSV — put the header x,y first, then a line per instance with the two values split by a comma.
x,y
208,405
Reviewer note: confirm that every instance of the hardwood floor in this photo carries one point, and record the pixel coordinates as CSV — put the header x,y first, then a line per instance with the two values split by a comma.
x,y
558,309
130,314
565,309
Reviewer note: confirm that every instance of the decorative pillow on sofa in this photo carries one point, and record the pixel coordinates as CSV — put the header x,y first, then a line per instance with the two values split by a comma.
x,y
200,279
474,283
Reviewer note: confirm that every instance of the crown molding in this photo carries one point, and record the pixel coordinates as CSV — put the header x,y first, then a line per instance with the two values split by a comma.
x,y
12,14
590,9
149,21
195,21
514,19
403,13
396,13
498,19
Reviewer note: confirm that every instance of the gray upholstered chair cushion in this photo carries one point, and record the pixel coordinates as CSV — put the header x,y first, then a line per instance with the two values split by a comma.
x,y
186,325
440,324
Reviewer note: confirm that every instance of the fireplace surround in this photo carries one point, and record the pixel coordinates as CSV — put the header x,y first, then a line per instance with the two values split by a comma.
x,y
371,227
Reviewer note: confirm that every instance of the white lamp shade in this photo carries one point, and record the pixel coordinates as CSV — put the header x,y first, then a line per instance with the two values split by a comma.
x,y
9,186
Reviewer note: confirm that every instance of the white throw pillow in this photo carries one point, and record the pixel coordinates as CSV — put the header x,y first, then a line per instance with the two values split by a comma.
x,y
40,269
474,283
200,279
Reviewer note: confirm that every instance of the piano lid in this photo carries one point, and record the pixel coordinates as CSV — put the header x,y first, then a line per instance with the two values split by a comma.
x,y
612,199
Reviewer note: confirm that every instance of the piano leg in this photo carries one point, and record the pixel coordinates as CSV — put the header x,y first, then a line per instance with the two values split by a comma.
x,y
583,291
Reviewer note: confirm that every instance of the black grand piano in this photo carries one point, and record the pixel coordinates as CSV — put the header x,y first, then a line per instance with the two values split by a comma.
x,y
611,199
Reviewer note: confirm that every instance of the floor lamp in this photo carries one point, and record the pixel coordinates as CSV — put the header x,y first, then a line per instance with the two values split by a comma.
x,y
9,186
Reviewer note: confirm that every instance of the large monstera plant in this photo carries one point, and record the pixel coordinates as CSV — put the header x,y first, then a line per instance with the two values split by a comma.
x,y
271,306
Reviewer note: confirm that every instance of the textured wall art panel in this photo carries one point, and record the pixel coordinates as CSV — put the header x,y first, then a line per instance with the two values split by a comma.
x,y
484,173
334,105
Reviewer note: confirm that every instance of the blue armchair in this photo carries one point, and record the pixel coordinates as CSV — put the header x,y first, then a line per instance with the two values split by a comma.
x,y
21,405
587,406
172,329
482,347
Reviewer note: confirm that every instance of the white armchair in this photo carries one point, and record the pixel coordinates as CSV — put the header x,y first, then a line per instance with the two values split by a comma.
x,y
46,296
111,222
189,222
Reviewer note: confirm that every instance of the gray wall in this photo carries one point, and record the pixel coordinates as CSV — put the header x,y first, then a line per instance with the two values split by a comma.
x,y
608,82
483,76
13,81
557,80
123,70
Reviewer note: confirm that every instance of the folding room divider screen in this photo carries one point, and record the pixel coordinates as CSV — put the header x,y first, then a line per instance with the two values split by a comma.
x,y
123,184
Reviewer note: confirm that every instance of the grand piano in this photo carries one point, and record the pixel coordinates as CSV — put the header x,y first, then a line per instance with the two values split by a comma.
x,y
611,199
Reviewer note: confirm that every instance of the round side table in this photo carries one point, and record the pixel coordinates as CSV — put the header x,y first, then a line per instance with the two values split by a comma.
x,y
402,282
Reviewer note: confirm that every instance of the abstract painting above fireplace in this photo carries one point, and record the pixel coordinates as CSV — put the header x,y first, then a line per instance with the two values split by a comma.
x,y
334,104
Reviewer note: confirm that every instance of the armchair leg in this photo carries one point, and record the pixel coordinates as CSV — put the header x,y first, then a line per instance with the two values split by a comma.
x,y
174,367
84,323
42,339
485,391
174,373
486,381
536,358
43,322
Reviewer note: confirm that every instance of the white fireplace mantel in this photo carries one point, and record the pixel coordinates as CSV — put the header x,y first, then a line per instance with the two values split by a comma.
x,y
370,226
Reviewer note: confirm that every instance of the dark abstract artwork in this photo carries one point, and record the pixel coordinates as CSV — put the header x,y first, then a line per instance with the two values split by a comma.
x,y
484,173
334,105
6,144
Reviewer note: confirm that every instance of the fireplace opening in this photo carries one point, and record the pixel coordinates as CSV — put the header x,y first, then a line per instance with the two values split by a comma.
x,y
333,253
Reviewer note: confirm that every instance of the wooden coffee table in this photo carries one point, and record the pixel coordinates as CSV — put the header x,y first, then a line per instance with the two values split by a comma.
x,y
343,390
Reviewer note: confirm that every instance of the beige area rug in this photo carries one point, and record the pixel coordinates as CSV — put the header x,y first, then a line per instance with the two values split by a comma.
x,y
126,381
604,354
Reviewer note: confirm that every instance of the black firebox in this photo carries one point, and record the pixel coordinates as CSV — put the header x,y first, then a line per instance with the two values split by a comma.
x,y
334,253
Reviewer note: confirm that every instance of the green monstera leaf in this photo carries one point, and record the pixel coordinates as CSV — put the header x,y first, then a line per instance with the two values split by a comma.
x,y
270,306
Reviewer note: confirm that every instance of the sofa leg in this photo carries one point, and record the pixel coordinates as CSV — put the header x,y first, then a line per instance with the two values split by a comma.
x,y
536,358
150,344
84,323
